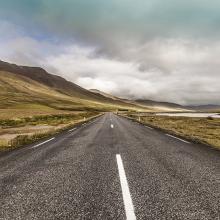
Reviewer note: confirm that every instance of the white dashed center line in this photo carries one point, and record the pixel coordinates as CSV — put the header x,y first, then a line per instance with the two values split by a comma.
x,y
43,142
112,126
129,208
178,138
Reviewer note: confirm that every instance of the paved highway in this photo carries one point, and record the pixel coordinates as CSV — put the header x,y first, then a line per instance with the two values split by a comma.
x,y
111,168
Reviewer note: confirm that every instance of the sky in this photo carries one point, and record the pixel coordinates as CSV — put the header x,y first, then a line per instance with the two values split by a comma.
x,y
159,50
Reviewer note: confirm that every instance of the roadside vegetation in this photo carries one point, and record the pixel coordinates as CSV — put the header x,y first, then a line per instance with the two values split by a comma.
x,y
20,131
201,130
30,110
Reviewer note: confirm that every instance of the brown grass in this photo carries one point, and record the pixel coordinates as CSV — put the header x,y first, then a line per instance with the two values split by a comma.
x,y
15,136
203,130
30,110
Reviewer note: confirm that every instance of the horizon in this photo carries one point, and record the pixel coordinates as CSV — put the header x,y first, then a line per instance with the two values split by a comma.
x,y
102,92
144,50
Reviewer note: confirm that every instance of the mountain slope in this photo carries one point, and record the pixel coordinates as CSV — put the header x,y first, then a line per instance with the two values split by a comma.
x,y
21,84
56,82
150,104
96,91
161,105
209,108
16,90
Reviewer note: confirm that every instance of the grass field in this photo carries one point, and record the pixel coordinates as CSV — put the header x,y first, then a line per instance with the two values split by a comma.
x,y
25,130
202,130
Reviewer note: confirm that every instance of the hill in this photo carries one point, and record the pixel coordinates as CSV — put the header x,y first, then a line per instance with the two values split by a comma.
x,y
33,87
169,106
166,106
209,108
150,104
96,91
53,81
28,86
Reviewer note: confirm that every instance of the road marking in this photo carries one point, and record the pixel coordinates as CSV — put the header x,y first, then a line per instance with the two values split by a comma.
x,y
43,142
112,126
148,127
129,208
72,129
178,138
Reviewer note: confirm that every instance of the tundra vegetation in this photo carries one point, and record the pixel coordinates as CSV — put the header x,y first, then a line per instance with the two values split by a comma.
x,y
201,130
17,132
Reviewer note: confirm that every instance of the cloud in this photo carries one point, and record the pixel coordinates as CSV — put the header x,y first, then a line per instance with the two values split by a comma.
x,y
178,71
143,49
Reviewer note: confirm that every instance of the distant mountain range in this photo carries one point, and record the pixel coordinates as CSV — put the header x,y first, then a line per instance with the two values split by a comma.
x,y
21,85
168,105
151,103
156,106
96,91
204,107
165,106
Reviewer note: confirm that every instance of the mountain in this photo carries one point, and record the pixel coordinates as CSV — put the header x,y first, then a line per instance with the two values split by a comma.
x,y
33,85
209,108
150,104
25,87
113,97
161,105
53,81
169,106
96,91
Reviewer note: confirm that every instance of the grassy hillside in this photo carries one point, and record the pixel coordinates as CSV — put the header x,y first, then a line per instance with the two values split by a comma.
x,y
20,92
23,84
161,106
96,91
57,93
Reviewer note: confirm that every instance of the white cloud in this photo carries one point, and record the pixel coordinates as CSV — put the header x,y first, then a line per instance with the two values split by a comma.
x,y
181,71
167,69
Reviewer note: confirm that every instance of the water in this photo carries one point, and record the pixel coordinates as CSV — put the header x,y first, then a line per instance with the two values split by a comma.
x,y
192,115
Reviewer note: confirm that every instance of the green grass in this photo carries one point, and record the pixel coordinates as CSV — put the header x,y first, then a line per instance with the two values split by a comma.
x,y
202,130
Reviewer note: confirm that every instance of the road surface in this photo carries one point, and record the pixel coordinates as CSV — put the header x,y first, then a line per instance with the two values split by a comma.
x,y
111,168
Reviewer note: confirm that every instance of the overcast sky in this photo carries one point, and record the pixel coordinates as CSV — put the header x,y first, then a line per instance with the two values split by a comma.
x,y
149,49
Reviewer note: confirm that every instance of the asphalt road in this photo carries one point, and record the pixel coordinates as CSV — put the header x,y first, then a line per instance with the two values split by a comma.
x,y
111,168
